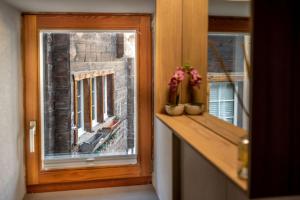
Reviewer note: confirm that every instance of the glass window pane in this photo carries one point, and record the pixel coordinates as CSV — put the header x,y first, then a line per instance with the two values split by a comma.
x,y
83,56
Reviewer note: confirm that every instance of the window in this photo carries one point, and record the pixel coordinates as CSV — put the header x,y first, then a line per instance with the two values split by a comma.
x,y
79,49
222,101
94,100
80,108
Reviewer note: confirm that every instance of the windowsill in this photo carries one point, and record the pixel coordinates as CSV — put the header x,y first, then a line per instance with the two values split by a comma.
x,y
221,152
90,160
87,135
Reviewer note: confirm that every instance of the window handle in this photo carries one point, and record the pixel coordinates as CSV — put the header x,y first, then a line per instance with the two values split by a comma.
x,y
32,129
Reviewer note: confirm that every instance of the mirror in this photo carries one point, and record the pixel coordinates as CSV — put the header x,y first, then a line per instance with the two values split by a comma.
x,y
229,68
228,77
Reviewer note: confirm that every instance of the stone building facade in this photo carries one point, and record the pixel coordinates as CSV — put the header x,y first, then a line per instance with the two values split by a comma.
x,y
87,51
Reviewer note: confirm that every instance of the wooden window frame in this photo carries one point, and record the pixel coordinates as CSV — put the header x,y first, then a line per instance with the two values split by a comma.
x,y
39,180
229,24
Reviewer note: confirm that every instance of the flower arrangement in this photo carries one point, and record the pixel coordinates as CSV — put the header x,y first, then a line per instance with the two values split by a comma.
x,y
194,82
174,84
173,107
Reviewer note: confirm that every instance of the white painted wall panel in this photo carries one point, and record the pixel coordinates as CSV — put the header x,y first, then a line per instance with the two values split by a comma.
x,y
162,175
12,184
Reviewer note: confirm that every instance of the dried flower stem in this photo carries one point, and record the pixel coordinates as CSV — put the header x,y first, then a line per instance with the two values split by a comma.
x,y
248,66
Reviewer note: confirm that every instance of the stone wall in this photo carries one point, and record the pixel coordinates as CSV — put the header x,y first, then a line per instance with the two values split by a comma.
x,y
57,93
49,116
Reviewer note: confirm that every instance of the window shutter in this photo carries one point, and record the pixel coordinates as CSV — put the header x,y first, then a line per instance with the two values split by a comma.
x,y
87,105
110,95
100,95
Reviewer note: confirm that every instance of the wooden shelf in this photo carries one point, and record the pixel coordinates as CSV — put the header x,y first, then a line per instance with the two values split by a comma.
x,y
219,151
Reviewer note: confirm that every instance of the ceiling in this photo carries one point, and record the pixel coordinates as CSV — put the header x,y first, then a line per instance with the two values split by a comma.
x,y
216,7
112,6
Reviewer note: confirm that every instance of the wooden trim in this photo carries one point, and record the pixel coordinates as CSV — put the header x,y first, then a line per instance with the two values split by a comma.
x,y
229,24
91,74
168,47
111,22
31,94
144,96
194,45
141,23
89,184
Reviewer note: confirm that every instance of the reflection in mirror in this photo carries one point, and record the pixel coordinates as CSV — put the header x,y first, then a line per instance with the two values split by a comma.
x,y
88,98
228,62
228,77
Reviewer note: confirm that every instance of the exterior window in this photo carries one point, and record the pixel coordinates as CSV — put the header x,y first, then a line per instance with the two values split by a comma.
x,y
222,102
80,108
105,98
94,102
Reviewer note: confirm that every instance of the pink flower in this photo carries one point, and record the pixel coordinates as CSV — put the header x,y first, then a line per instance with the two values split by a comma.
x,y
195,79
173,84
179,74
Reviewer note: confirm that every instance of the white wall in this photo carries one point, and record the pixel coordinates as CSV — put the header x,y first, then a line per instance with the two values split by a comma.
x,y
229,8
162,175
110,6
12,184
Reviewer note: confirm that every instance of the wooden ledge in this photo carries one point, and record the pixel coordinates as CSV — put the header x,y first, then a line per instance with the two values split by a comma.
x,y
219,151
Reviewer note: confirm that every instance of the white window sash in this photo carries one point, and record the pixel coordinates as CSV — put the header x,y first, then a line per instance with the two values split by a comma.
x,y
94,89
105,106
